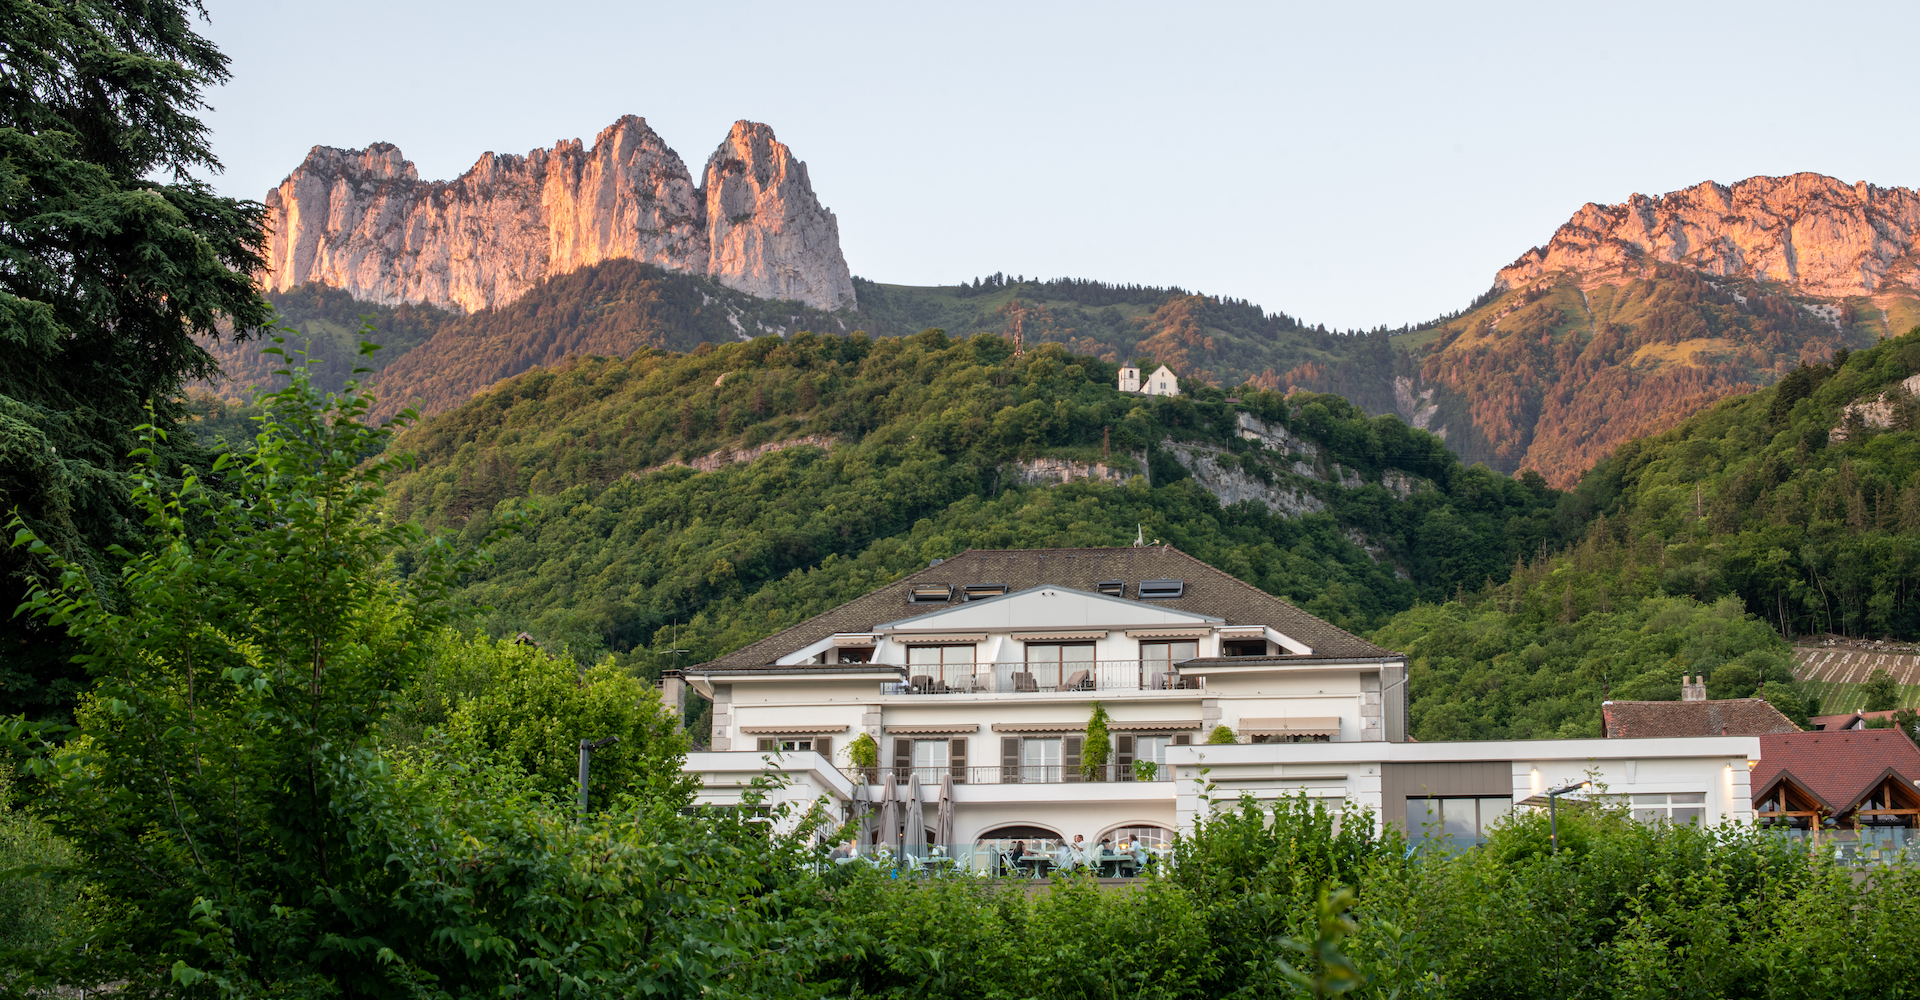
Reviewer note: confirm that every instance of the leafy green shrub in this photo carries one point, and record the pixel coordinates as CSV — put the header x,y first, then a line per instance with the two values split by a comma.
x,y
1097,748
1221,736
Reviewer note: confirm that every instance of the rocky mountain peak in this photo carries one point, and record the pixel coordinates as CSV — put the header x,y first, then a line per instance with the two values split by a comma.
x,y
361,220
1814,233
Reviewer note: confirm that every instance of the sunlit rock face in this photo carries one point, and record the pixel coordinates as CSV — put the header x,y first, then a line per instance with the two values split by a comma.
x,y
363,220
1807,230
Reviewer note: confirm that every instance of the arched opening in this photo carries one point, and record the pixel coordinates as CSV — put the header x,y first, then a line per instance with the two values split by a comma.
x,y
1019,850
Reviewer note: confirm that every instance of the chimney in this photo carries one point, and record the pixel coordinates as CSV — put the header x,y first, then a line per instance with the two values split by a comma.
x,y
1693,689
673,694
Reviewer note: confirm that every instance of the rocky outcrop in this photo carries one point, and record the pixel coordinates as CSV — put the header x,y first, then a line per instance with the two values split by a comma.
x,y
1054,471
363,220
1810,231
714,461
1876,413
1221,473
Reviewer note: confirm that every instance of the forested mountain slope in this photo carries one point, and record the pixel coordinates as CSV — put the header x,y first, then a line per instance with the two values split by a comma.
x,y
918,448
1791,510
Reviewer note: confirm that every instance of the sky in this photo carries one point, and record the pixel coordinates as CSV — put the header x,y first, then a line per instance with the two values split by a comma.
x,y
1351,164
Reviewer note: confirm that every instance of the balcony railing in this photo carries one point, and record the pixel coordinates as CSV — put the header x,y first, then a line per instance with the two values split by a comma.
x,y
1042,678
1018,774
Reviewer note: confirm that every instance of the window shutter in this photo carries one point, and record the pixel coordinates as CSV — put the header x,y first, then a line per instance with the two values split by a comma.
x,y
1183,740
767,744
902,759
1009,759
957,754
1123,757
823,745
1070,757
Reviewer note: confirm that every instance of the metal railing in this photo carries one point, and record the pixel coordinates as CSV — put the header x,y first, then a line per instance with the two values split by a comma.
x,y
1042,678
1017,774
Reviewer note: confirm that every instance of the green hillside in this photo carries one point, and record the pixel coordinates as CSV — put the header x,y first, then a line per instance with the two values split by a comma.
x,y
926,436
1747,523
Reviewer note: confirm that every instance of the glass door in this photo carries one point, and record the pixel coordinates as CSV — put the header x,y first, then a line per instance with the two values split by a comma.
x,y
1159,659
1062,666
1040,759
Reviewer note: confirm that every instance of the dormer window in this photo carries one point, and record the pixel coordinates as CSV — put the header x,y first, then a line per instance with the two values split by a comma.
x,y
1161,589
982,591
1243,647
931,593
1112,588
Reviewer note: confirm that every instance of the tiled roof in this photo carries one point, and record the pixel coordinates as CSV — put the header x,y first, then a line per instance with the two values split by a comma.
x,y
1724,717
1844,720
1208,591
1838,767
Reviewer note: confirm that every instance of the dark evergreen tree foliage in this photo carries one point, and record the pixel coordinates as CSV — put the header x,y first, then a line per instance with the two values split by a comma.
x,y
106,278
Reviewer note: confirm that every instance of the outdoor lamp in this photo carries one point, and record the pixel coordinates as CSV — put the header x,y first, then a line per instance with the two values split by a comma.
x,y
1553,821
587,747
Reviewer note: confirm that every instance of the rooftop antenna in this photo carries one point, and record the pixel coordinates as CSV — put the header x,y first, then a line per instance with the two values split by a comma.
x,y
675,653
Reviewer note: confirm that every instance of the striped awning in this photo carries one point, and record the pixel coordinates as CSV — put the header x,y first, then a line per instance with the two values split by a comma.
x,y
1040,727
1169,633
932,730
939,639
1098,633
1305,725
790,730
1151,727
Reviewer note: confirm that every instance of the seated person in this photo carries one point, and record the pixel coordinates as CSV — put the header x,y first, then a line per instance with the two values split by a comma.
x,y
844,852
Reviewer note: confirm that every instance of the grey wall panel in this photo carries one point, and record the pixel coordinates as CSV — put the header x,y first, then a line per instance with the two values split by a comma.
x,y
1476,778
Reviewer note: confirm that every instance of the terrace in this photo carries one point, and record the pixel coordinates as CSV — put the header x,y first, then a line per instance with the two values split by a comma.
x,y
1041,678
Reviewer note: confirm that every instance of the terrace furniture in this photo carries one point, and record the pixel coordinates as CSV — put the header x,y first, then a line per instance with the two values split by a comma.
x,y
1079,680
920,684
1023,683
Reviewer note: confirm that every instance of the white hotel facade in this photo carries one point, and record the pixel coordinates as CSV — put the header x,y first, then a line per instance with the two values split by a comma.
x,y
980,673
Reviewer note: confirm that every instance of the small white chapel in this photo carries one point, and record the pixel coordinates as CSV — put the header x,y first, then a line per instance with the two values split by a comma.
x,y
1163,382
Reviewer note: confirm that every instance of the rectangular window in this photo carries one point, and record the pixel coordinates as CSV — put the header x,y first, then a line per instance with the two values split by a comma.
x,y
1062,666
1454,823
1153,748
931,759
1169,652
1040,759
1675,807
938,669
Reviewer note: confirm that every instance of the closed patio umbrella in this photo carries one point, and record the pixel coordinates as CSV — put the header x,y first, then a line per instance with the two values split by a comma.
x,y
915,836
889,813
863,817
943,817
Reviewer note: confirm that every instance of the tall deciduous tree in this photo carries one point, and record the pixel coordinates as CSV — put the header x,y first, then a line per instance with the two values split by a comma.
x,y
112,259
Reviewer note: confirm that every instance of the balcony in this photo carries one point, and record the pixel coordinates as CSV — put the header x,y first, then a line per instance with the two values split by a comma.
x,y
1014,774
1042,678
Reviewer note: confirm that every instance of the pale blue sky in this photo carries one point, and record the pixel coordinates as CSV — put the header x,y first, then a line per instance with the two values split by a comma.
x,y
1352,164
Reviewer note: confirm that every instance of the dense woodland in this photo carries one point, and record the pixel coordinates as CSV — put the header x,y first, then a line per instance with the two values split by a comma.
x,y
622,550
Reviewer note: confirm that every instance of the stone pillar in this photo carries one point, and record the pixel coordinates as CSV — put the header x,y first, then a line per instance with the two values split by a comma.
x,y
722,717
1371,728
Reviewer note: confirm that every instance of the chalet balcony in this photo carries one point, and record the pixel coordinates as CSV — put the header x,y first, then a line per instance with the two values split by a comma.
x,y
1042,678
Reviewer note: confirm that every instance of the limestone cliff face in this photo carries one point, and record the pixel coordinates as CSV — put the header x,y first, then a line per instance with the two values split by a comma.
x,y
363,220
1805,230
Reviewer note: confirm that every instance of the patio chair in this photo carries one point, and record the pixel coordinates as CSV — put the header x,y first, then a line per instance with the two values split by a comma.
x,y
920,684
1079,680
1023,683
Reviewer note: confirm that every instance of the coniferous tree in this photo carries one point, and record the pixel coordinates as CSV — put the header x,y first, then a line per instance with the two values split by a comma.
x,y
106,277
